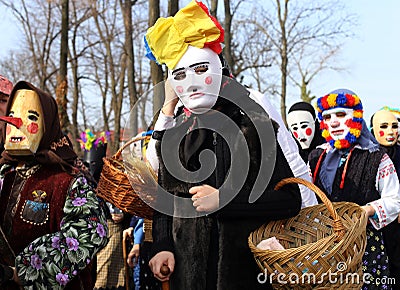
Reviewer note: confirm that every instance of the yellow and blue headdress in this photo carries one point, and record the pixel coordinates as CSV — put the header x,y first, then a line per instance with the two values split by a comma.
x,y
342,98
168,39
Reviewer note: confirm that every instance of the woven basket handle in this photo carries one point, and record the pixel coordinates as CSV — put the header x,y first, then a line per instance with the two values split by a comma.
x,y
117,155
338,227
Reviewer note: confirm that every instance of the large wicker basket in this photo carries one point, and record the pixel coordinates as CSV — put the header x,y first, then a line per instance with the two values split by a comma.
x,y
115,186
324,245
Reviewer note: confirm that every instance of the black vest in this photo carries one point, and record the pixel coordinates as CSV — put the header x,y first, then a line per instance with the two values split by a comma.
x,y
359,180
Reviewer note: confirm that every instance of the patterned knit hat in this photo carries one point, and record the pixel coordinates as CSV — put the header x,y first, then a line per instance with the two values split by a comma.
x,y
168,39
5,85
341,98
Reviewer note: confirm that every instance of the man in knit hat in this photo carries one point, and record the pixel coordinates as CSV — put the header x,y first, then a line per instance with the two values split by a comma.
x,y
352,167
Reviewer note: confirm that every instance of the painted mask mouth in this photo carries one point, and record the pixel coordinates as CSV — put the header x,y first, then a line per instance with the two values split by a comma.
x,y
390,139
17,139
303,140
195,96
337,132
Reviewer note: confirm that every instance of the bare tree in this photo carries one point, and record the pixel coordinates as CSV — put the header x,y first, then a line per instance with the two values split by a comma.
x,y
157,74
62,81
173,7
126,7
40,32
273,46
214,8
309,66
291,26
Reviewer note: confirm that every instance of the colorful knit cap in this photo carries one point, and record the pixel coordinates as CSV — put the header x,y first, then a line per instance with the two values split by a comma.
x,y
5,86
341,98
394,111
168,39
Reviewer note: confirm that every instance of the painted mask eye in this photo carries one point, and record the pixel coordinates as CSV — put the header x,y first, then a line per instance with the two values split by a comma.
x,y
395,126
304,126
295,128
180,75
383,126
33,118
200,69
341,114
326,117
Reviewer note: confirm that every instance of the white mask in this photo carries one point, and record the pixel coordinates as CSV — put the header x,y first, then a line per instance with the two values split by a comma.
x,y
196,79
336,119
302,126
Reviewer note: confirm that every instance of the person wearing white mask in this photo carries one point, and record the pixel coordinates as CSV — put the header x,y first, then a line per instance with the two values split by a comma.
x,y
385,126
211,217
352,167
304,126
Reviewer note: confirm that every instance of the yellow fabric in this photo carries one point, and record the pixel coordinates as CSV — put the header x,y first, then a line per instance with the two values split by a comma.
x,y
170,37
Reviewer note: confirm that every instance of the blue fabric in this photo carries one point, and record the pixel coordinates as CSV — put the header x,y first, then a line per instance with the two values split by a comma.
x,y
138,234
134,221
332,160
136,275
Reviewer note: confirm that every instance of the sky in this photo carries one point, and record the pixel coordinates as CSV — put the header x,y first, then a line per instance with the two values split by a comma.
x,y
372,58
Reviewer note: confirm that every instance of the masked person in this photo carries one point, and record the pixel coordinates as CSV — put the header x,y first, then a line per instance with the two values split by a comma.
x,y
396,113
5,90
351,167
50,216
304,127
203,239
385,129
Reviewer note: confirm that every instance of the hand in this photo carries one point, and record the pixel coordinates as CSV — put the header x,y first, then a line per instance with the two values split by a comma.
x,y
370,211
15,276
160,259
127,234
133,256
205,197
171,99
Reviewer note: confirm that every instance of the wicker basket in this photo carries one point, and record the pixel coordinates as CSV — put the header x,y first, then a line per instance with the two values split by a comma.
x,y
322,242
115,187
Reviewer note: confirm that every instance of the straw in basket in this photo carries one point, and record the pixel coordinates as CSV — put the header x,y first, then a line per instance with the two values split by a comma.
x,y
324,245
130,186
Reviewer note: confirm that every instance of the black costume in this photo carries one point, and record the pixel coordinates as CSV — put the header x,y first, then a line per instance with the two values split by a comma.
x,y
211,252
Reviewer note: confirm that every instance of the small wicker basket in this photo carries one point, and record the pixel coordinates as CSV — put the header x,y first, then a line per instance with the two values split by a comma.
x,y
324,245
115,186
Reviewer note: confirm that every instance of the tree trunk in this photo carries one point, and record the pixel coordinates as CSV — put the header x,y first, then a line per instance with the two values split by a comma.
x,y
228,36
173,7
284,56
155,69
62,84
214,8
127,13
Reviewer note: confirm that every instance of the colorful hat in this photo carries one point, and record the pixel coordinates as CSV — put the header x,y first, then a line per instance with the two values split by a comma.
x,y
5,85
394,111
168,39
342,98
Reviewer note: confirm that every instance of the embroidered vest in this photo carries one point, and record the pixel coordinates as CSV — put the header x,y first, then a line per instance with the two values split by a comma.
x,y
32,205
359,180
